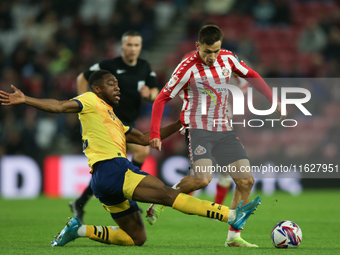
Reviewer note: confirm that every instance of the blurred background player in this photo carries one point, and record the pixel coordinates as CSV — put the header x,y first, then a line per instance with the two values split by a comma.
x,y
136,81
207,67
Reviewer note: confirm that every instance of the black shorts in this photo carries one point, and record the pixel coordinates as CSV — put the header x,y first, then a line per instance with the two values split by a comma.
x,y
223,147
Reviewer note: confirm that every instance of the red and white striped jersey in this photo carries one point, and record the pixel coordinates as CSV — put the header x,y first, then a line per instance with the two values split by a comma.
x,y
204,107
192,80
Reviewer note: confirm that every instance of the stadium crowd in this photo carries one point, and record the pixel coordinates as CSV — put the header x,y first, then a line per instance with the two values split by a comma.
x,y
44,45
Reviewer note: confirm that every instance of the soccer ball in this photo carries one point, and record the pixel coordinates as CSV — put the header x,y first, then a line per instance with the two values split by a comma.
x,y
286,234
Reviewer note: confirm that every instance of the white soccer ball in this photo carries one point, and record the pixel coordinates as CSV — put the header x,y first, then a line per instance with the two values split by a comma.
x,y
286,234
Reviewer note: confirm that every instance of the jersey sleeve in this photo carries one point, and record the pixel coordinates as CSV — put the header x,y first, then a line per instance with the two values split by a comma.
x,y
127,129
157,113
238,66
241,69
103,65
87,102
177,82
242,83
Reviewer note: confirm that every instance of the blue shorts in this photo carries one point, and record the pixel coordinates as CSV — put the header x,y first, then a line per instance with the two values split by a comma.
x,y
113,183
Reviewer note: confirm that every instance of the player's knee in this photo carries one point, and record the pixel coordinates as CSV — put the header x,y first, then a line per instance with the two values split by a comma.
x,y
140,239
143,152
201,183
245,183
146,150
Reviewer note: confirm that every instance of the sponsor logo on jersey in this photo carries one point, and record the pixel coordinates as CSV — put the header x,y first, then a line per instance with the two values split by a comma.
x,y
173,80
225,72
207,88
119,71
200,150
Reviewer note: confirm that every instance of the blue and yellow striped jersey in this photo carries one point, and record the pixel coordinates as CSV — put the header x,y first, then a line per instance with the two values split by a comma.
x,y
103,133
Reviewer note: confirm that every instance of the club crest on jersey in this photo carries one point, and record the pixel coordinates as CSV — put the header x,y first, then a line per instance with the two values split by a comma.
x,y
200,150
225,72
173,80
204,78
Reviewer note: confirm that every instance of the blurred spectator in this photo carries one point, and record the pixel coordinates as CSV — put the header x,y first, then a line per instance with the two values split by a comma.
x,y
6,20
229,41
196,20
9,76
218,7
244,7
332,49
41,31
274,70
312,38
165,13
263,12
100,10
246,48
282,15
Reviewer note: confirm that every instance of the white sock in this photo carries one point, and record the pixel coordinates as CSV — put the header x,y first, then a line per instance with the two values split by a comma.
x,y
232,215
82,231
233,234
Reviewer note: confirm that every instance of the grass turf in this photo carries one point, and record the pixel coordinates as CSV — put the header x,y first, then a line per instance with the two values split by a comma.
x,y
28,227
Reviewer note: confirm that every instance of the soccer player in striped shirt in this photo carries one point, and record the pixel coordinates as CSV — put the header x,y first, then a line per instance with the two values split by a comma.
x,y
209,67
223,180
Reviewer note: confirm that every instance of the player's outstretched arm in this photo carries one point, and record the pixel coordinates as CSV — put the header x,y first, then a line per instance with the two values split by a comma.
x,y
47,105
82,84
135,136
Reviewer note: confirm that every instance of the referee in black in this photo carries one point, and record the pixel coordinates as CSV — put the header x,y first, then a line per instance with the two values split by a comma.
x,y
136,81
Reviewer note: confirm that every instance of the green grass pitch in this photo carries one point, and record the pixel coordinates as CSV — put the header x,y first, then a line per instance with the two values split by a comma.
x,y
28,227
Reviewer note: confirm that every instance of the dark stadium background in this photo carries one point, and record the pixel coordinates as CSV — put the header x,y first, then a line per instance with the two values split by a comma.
x,y
44,45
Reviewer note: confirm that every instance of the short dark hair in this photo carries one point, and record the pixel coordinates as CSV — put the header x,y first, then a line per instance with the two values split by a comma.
x,y
96,77
130,33
209,34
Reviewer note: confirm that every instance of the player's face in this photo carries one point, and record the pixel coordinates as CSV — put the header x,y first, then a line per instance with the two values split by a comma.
x,y
109,90
131,46
209,53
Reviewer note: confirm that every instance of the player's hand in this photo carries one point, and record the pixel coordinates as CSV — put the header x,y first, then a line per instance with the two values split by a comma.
x,y
278,110
156,144
145,92
12,98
